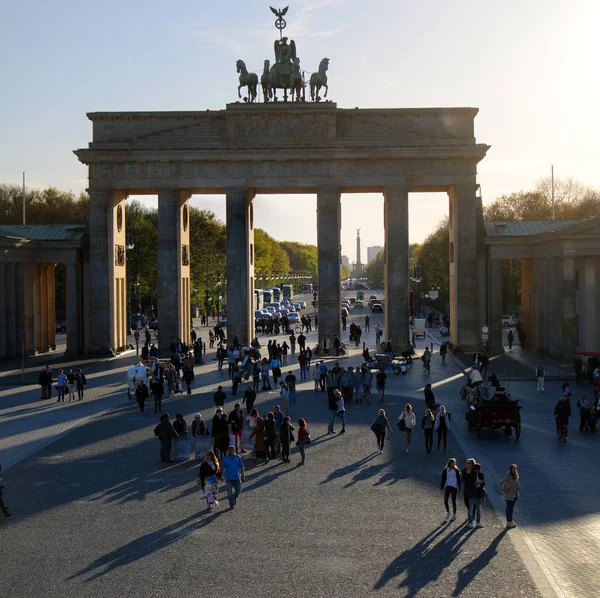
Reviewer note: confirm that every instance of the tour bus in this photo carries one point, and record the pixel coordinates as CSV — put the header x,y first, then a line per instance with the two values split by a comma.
x,y
267,297
276,294
258,293
308,288
288,291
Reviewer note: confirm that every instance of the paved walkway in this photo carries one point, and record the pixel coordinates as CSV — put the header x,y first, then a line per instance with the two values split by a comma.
x,y
351,522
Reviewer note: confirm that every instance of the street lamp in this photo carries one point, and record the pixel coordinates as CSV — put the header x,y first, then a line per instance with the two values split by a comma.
x,y
416,278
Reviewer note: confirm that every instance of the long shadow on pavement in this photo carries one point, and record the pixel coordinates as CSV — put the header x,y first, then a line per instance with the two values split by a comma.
x,y
146,545
426,560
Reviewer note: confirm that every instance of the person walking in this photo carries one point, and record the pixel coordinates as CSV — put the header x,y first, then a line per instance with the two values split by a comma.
x,y
367,383
61,385
219,397
540,374
467,469
271,431
157,392
188,377
266,375
236,421
429,397
208,477
511,488
302,364
165,432
316,376
380,381
380,427
286,435
475,489
141,394
323,369
450,484
367,323
406,422
303,439
249,399
332,405
234,474
220,432
510,338
427,425
71,379
442,425
290,381
341,409
81,382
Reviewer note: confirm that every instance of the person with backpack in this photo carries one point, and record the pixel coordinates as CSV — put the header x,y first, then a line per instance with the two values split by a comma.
x,y
380,427
427,424
444,351
303,439
426,359
450,484
475,491
442,425
406,422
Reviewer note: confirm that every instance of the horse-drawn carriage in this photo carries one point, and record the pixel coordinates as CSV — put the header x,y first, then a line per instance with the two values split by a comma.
x,y
490,407
141,370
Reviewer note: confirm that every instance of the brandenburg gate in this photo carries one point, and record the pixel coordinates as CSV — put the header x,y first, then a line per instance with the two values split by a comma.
x,y
278,147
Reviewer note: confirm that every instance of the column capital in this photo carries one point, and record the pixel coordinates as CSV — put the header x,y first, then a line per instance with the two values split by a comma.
x,y
465,188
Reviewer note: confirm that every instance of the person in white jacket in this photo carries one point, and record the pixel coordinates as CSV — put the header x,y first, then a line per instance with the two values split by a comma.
x,y
406,422
442,425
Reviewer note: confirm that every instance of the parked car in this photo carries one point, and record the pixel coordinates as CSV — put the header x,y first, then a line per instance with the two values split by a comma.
x,y
285,302
270,310
302,304
377,308
261,314
60,327
284,312
298,306
344,311
509,321
358,304
352,300
294,317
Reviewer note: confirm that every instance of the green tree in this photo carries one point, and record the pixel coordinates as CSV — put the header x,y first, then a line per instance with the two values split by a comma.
x,y
375,269
302,257
345,271
269,256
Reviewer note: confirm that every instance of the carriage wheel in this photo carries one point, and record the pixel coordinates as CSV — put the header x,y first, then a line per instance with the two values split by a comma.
x,y
397,371
518,429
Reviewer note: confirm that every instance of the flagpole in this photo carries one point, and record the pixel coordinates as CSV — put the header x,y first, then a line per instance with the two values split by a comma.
x,y
23,198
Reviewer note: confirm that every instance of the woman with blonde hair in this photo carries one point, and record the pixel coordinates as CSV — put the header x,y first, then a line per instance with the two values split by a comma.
x,y
450,484
379,427
209,475
406,422
511,487
427,424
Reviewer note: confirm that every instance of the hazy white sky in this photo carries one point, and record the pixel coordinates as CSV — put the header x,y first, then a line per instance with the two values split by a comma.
x,y
530,67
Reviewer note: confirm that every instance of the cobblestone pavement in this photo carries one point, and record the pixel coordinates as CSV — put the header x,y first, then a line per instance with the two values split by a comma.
x,y
97,514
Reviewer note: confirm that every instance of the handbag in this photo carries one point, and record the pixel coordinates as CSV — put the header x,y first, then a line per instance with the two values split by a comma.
x,y
307,438
401,424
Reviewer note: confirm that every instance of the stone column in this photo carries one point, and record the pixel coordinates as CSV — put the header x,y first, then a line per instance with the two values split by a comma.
x,y
37,308
173,267
464,324
73,318
3,316
50,283
27,270
589,313
495,306
329,216
43,277
526,300
395,210
12,333
240,265
569,312
101,273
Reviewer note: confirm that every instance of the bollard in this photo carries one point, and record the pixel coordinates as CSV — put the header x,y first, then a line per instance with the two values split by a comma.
x,y
431,347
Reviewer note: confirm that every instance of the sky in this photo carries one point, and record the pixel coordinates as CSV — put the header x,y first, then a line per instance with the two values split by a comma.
x,y
530,67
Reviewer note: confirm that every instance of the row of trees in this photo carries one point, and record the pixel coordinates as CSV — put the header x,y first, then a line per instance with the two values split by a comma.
x,y
207,243
572,201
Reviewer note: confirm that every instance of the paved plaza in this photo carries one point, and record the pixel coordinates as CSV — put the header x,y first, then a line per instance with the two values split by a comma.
x,y
97,514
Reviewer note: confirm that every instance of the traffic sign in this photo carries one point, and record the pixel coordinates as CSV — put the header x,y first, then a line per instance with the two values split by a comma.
x,y
485,329
23,335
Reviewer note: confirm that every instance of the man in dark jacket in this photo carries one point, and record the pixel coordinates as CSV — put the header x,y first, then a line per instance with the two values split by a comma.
x,y
249,398
165,432
236,420
45,381
220,432
220,397
562,412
